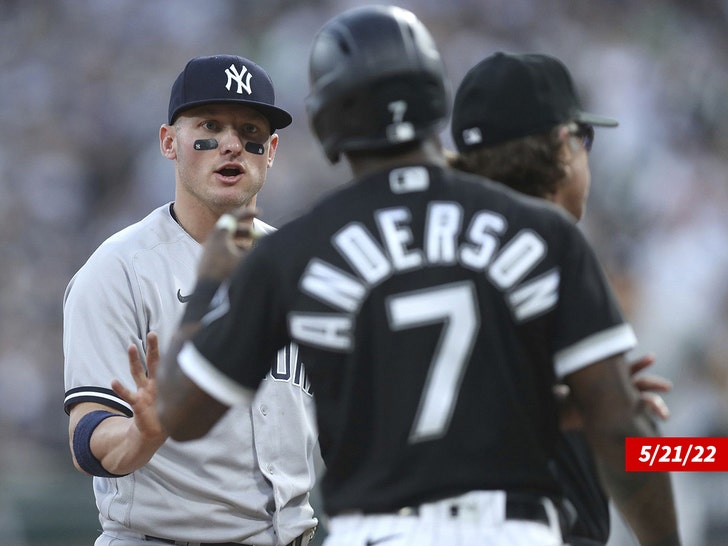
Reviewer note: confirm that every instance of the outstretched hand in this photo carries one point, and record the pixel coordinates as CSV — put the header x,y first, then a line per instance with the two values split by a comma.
x,y
232,237
143,400
648,385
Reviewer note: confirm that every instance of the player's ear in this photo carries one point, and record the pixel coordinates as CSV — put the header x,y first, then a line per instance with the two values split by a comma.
x,y
167,141
567,148
570,142
564,134
272,146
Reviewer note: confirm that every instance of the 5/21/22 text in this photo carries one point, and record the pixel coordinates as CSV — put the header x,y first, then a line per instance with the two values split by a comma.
x,y
676,454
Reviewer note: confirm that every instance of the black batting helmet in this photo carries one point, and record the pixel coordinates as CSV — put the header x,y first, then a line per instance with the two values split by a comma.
x,y
377,81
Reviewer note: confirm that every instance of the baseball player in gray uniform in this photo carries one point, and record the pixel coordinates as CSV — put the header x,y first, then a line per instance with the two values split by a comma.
x,y
248,482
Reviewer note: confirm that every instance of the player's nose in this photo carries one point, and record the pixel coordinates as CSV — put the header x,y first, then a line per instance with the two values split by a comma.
x,y
230,142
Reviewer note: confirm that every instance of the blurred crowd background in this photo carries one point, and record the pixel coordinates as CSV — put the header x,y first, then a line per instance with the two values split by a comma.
x,y
84,86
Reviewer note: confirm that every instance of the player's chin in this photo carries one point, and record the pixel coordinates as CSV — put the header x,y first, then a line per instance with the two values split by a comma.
x,y
227,199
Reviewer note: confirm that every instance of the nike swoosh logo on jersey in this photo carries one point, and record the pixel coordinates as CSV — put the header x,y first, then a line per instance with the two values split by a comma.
x,y
183,299
372,542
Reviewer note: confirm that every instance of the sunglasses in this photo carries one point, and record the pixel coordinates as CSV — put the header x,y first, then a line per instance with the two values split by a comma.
x,y
585,132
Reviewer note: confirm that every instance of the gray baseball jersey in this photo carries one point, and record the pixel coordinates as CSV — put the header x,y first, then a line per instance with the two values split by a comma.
x,y
246,481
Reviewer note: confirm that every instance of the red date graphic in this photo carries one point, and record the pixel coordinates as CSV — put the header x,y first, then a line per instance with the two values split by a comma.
x,y
674,454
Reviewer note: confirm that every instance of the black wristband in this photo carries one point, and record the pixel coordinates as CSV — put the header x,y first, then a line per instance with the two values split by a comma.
x,y
200,299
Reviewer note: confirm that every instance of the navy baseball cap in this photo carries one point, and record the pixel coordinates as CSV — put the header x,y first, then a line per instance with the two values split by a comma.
x,y
226,79
506,96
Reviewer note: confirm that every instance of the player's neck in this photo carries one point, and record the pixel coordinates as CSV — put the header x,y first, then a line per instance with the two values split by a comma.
x,y
428,152
197,219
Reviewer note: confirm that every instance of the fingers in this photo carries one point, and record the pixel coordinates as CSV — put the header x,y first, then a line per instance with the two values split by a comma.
x,y
649,386
239,225
152,354
655,404
136,367
138,372
227,222
648,382
239,221
123,393
227,244
641,363
652,383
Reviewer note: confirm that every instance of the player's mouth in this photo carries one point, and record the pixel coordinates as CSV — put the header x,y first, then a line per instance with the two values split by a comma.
x,y
230,173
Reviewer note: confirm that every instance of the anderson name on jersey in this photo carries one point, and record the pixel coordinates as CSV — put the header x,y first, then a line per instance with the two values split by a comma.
x,y
446,241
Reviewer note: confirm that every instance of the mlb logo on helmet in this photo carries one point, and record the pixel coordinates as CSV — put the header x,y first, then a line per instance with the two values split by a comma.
x,y
226,79
472,136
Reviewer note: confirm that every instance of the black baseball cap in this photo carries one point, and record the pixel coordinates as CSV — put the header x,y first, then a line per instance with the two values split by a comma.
x,y
226,79
507,96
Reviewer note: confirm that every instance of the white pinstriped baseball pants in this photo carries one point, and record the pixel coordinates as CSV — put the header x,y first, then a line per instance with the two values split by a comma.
x,y
477,518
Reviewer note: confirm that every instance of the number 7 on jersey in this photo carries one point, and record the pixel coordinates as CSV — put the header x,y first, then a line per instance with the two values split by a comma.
x,y
453,305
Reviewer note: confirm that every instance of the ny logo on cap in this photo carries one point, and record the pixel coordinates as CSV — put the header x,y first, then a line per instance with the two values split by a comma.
x,y
233,74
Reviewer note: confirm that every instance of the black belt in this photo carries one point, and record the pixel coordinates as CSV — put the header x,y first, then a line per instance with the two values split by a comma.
x,y
526,507
519,506
298,541
170,541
